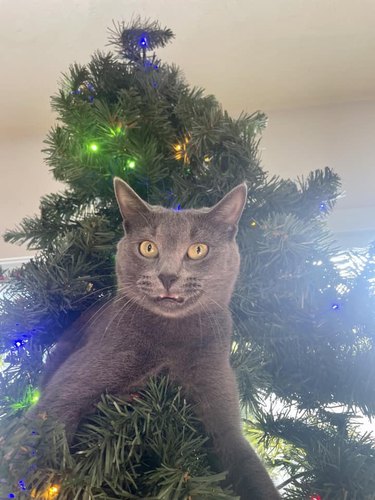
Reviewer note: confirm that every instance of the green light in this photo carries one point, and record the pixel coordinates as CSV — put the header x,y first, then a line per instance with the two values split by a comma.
x,y
94,147
31,397
131,163
35,396
116,131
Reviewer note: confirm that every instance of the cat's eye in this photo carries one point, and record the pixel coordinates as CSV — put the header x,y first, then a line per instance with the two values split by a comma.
x,y
197,251
148,249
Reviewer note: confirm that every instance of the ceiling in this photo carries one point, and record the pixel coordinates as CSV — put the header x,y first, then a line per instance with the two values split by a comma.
x,y
252,54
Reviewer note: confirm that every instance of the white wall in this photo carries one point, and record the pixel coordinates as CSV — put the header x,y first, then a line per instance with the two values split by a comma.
x,y
295,142
340,136
24,179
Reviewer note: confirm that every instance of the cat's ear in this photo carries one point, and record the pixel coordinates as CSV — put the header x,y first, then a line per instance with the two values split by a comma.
x,y
229,210
130,204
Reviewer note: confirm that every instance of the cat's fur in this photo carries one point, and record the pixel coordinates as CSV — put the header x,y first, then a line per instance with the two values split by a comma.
x,y
142,333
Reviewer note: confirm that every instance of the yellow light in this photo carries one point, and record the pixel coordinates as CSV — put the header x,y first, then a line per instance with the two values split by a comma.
x,y
53,491
180,149
50,493
253,223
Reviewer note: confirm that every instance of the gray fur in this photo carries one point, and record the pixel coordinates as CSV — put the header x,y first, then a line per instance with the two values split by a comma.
x,y
142,332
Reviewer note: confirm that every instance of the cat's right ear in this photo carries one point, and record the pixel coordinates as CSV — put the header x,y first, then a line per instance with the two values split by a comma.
x,y
130,204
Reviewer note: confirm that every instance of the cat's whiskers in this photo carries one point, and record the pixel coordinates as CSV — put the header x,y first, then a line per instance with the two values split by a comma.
x,y
124,309
135,310
98,291
130,302
215,328
99,313
232,311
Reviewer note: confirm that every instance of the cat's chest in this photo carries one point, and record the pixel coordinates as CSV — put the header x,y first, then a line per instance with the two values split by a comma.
x,y
157,340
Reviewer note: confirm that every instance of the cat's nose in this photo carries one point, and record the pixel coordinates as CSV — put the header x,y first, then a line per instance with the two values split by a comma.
x,y
167,279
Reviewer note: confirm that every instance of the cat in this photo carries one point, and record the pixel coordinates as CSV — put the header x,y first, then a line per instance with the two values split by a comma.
x,y
176,271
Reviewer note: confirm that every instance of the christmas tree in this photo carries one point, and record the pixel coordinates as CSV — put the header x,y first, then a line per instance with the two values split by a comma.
x,y
303,346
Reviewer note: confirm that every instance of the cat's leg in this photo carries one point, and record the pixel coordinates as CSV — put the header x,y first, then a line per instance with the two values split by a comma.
x,y
216,395
79,382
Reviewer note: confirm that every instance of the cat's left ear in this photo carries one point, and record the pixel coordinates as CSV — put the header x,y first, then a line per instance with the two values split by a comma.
x,y
229,210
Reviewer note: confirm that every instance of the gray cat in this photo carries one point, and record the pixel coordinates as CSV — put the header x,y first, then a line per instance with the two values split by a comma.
x,y
176,271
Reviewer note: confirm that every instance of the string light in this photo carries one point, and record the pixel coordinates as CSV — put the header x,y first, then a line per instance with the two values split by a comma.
x,y
22,485
30,398
143,41
53,491
180,150
35,397
253,223
323,207
131,163
86,89
20,342
94,147
50,493
117,130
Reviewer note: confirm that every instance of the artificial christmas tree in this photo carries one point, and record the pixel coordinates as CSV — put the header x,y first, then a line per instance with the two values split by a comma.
x,y
303,338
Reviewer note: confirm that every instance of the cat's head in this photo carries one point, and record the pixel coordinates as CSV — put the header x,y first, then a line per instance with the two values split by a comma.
x,y
175,263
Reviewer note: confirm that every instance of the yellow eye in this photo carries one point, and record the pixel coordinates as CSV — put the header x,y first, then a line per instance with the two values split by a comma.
x,y
148,249
197,251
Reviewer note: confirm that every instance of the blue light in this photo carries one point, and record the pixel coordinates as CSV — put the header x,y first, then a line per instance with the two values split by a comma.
x,y
11,495
143,41
179,207
323,207
335,307
20,342
22,485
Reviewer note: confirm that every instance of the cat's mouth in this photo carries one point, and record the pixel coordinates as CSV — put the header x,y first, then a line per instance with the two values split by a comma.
x,y
170,298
